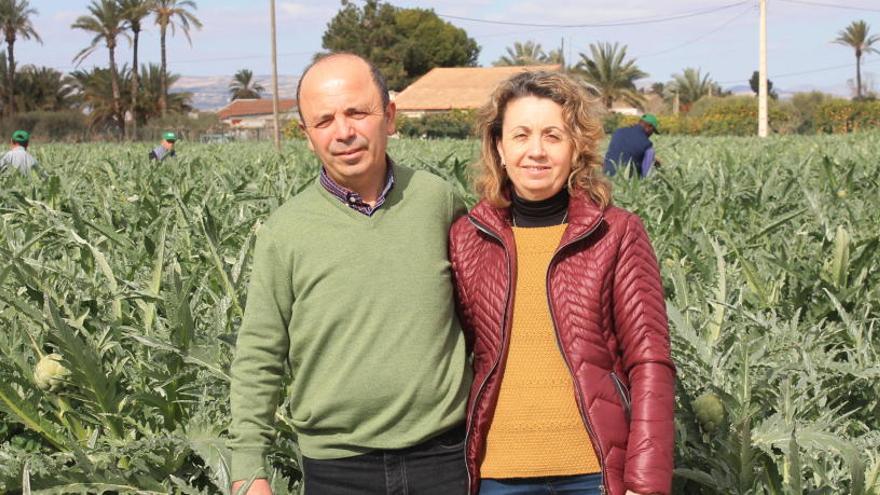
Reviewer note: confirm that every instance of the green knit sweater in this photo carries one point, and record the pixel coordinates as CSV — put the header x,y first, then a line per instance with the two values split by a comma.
x,y
359,310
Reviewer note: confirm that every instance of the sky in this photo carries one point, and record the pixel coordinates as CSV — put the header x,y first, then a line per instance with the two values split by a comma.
x,y
719,37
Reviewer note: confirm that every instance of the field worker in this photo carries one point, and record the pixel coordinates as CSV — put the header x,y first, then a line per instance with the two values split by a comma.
x,y
631,146
18,157
351,294
166,148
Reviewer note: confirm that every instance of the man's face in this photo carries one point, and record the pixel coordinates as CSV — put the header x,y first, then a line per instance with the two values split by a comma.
x,y
169,145
649,129
344,121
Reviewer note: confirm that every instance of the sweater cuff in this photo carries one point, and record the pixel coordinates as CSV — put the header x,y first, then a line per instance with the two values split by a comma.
x,y
248,464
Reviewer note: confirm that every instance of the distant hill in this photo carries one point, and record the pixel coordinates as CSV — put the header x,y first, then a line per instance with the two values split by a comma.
x,y
210,93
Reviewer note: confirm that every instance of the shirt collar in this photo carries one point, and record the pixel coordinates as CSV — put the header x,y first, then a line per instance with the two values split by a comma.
x,y
353,199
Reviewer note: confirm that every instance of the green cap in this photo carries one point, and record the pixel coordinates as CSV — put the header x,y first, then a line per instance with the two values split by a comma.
x,y
21,136
169,136
651,119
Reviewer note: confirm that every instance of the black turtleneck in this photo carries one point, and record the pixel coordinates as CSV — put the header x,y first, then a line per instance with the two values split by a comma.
x,y
542,213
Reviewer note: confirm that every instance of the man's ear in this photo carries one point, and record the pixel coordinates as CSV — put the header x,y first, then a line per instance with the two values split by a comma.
x,y
305,131
390,116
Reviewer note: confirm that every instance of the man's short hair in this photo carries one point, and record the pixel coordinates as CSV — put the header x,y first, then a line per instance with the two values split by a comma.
x,y
378,79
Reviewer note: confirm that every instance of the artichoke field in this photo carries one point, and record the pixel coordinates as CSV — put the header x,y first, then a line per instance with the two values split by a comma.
x,y
124,283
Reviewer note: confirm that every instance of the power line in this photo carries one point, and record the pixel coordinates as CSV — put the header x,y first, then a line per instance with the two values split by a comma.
x,y
702,36
804,72
622,22
830,5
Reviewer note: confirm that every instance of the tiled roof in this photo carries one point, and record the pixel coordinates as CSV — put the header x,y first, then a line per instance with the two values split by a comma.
x,y
248,107
445,88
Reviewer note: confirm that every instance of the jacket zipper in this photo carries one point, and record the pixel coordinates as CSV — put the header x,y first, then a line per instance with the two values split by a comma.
x,y
624,394
578,396
485,230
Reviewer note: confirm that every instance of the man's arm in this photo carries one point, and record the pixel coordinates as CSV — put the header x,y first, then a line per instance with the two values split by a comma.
x,y
258,367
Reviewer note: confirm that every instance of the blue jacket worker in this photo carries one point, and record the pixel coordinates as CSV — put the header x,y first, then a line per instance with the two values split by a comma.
x,y
631,146
166,149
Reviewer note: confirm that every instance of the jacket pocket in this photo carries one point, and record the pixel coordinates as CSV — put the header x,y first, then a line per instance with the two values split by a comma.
x,y
623,393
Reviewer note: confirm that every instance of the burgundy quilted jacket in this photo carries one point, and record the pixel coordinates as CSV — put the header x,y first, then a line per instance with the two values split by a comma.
x,y
608,309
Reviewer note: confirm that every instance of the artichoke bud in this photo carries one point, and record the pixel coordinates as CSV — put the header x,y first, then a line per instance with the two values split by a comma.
x,y
709,410
49,374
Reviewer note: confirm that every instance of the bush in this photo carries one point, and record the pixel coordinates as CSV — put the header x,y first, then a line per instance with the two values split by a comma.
x,y
725,116
452,124
807,106
292,130
188,127
68,125
842,116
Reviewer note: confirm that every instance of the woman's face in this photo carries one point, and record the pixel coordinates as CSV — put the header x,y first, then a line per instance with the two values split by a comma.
x,y
536,147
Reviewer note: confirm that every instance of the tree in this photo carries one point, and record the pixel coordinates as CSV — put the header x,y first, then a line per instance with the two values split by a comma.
x,y
97,96
134,12
173,14
403,43
15,21
555,57
244,86
856,36
754,83
691,86
528,53
613,76
106,21
151,88
43,89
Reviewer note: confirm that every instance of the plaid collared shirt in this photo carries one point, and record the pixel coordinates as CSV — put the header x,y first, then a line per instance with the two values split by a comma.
x,y
353,199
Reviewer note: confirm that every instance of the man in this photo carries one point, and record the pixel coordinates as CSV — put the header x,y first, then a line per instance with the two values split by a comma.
x,y
166,148
351,294
18,157
631,146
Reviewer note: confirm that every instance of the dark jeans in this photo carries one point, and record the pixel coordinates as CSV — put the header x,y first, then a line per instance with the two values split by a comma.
x,y
585,484
435,467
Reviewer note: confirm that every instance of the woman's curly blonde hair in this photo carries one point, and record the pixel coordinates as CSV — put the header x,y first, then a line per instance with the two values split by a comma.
x,y
579,110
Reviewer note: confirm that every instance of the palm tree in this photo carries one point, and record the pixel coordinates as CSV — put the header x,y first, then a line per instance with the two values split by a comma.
x,y
528,53
856,36
15,21
96,94
244,86
613,76
45,89
134,11
151,87
691,86
554,57
107,22
172,13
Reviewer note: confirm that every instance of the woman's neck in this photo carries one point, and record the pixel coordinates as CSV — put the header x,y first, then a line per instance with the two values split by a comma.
x,y
541,213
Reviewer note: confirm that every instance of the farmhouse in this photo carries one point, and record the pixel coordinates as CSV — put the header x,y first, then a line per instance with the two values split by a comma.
x,y
252,118
455,88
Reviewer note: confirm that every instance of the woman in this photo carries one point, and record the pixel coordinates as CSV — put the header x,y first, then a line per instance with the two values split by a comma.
x,y
561,296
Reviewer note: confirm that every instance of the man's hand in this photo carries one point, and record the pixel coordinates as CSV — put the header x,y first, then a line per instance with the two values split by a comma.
x,y
258,487
657,162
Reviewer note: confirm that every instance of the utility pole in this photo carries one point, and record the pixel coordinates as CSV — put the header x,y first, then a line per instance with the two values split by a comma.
x,y
562,53
762,77
275,78
675,104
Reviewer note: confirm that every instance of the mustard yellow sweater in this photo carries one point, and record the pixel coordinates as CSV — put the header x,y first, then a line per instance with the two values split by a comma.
x,y
537,429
